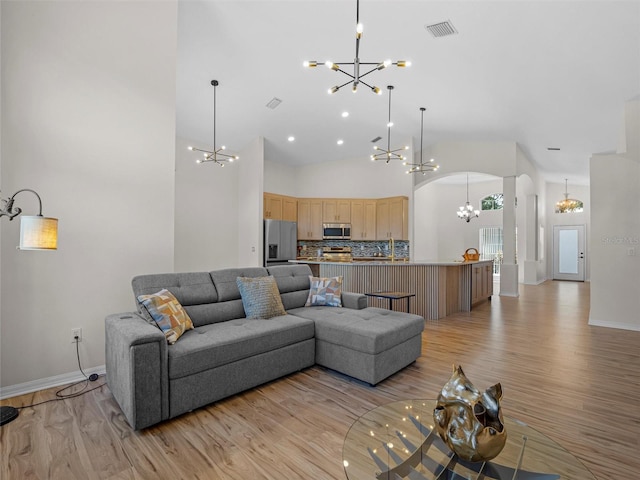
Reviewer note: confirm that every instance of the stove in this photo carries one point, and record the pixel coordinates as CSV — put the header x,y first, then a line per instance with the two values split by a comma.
x,y
337,254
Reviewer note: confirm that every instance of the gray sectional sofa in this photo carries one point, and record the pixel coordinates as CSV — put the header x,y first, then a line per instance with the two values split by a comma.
x,y
227,353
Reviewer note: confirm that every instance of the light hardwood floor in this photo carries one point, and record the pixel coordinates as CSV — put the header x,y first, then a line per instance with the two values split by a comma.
x,y
579,385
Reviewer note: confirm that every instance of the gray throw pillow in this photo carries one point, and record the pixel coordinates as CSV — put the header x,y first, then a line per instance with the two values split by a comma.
x,y
260,297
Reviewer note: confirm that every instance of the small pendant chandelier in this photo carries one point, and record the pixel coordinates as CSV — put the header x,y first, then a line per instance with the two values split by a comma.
x,y
388,154
422,167
467,211
356,78
216,154
569,205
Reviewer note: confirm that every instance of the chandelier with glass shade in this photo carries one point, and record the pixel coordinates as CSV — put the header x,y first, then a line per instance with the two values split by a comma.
x,y
569,205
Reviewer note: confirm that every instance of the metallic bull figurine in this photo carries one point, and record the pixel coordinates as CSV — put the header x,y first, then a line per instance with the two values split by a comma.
x,y
469,421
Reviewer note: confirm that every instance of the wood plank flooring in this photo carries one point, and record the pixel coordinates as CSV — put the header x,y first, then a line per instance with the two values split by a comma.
x,y
579,385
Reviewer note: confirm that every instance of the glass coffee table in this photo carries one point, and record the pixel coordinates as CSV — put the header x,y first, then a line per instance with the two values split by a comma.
x,y
397,441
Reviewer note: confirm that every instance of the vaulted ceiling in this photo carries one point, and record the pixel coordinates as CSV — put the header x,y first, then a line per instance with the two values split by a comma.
x,y
544,74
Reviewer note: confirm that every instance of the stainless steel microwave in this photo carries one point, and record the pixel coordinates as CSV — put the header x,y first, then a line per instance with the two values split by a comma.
x,y
336,231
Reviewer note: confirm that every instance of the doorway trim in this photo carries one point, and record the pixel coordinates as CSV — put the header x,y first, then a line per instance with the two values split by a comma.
x,y
569,263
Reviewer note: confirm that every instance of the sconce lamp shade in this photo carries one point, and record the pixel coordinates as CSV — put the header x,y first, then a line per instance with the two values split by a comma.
x,y
38,233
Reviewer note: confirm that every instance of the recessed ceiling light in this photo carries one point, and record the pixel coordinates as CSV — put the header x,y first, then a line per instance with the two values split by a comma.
x,y
291,138
340,142
345,114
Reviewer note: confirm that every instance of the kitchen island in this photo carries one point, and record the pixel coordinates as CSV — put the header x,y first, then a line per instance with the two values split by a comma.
x,y
441,288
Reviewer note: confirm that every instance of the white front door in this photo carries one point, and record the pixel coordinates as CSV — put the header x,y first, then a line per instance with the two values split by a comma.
x,y
568,252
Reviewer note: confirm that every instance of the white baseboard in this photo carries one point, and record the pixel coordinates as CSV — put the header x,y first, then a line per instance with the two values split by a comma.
x,y
620,325
43,383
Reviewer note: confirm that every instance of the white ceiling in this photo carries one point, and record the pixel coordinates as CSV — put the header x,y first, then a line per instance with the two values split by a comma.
x,y
543,74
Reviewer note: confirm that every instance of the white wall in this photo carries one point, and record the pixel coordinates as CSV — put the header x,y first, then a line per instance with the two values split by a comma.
x,y
250,210
425,223
357,178
206,212
280,178
615,232
492,158
88,109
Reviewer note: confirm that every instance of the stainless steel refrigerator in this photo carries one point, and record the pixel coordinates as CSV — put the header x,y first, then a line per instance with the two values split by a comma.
x,y
280,242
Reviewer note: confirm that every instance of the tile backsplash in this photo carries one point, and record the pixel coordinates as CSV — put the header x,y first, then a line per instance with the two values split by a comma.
x,y
358,249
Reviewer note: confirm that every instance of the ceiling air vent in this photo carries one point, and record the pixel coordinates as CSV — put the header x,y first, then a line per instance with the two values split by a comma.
x,y
376,139
441,29
273,103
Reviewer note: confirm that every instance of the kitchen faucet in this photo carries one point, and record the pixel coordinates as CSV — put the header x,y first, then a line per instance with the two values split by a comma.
x,y
392,249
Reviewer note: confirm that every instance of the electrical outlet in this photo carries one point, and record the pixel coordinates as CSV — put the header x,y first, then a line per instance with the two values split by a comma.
x,y
76,332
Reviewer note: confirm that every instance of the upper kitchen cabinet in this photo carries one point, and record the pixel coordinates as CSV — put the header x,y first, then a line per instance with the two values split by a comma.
x,y
363,219
280,207
336,210
309,219
290,209
392,218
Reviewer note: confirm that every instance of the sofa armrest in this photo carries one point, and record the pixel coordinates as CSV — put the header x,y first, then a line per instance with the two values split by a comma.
x,y
356,301
137,368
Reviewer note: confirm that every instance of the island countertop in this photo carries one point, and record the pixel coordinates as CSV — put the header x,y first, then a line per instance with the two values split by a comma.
x,y
442,287
387,261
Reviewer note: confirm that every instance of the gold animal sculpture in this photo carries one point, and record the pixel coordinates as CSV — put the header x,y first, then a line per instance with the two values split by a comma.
x,y
469,421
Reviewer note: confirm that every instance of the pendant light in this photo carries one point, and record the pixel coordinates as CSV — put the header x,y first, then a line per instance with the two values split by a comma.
x,y
569,205
356,78
216,154
422,167
467,211
388,154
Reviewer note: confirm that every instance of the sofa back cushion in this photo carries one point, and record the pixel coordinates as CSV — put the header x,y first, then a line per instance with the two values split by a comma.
x,y
293,283
211,297
230,305
195,292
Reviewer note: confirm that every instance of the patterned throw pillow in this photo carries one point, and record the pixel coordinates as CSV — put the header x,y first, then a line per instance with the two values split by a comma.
x,y
260,297
325,292
168,314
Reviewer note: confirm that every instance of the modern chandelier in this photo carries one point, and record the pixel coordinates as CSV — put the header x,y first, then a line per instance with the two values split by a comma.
x,y
216,154
356,78
422,167
568,205
388,154
467,212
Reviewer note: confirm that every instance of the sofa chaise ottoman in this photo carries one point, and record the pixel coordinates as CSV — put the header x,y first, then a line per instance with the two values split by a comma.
x,y
226,352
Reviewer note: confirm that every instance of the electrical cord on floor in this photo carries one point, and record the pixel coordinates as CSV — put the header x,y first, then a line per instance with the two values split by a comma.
x,y
62,396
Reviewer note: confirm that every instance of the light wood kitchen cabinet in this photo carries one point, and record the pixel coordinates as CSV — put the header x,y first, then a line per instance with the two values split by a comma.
x,y
481,281
290,209
336,210
392,218
272,205
309,219
280,207
363,220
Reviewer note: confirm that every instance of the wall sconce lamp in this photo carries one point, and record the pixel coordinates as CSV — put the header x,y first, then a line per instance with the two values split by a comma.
x,y
36,232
